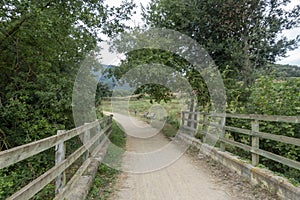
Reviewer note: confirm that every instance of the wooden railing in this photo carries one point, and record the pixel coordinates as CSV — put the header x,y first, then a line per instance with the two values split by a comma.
x,y
219,121
93,135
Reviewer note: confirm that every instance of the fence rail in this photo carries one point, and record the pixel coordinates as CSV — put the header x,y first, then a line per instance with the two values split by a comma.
x,y
254,133
93,137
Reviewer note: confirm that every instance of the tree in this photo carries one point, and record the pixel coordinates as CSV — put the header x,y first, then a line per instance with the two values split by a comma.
x,y
161,69
242,35
42,46
102,91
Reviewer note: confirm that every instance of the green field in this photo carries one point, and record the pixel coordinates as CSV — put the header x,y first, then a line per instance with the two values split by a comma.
x,y
170,112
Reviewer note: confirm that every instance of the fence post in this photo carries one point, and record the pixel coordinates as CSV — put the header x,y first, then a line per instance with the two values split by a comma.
x,y
110,121
85,139
189,123
222,123
195,122
182,118
255,142
111,118
204,127
98,129
60,152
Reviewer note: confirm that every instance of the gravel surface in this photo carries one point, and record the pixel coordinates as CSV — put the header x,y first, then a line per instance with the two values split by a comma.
x,y
192,176
235,186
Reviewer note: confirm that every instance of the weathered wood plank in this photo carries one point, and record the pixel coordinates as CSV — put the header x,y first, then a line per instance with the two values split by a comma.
x,y
195,121
222,125
255,142
204,128
277,158
256,134
192,120
278,138
236,144
20,153
238,130
214,125
273,118
35,186
81,170
188,128
73,180
86,137
60,152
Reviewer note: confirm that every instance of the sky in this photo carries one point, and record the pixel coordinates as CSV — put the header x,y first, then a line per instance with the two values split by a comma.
x,y
293,57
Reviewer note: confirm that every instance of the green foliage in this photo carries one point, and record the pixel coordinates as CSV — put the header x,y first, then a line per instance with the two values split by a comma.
x,y
241,34
159,63
18,175
106,176
283,70
103,183
170,130
102,91
272,95
118,137
42,45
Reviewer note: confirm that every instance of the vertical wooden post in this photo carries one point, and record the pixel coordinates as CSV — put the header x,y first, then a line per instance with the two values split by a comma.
x,y
255,142
85,139
195,122
111,118
189,123
60,152
110,121
204,127
98,129
182,118
222,133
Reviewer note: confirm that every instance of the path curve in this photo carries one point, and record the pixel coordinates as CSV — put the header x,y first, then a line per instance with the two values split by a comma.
x,y
180,180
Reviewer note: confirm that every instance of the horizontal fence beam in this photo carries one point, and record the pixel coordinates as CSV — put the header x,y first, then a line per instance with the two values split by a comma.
x,y
236,144
65,191
255,134
278,138
35,186
277,158
263,135
273,118
20,153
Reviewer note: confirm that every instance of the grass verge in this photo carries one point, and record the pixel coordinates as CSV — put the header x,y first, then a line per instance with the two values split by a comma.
x,y
106,176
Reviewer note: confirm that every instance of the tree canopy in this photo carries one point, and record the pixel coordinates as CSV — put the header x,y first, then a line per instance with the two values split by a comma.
x,y
42,45
242,35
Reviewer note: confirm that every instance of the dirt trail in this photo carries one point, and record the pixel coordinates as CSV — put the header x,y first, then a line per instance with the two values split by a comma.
x,y
183,179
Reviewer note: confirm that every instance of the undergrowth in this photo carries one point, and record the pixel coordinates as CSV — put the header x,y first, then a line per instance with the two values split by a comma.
x,y
106,176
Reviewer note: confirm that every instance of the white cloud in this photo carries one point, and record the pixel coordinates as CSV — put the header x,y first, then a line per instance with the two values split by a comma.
x,y
293,57
114,58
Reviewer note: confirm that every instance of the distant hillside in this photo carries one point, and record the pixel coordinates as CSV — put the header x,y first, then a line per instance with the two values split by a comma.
x,y
285,70
103,76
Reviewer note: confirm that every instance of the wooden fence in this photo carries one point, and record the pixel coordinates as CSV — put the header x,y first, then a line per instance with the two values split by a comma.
x,y
93,135
218,121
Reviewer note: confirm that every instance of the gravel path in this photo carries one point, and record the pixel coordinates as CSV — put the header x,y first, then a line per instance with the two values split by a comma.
x,y
182,178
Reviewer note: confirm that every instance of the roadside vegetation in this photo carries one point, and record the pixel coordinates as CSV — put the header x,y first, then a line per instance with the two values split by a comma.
x,y
43,45
106,176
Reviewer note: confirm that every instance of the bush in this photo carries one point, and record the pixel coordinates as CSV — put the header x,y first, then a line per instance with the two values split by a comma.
x,y
271,96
